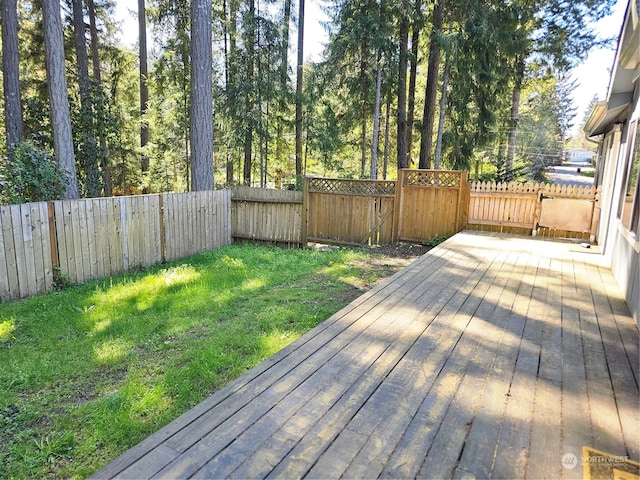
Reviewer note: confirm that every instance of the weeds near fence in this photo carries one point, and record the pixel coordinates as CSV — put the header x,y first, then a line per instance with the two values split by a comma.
x,y
437,240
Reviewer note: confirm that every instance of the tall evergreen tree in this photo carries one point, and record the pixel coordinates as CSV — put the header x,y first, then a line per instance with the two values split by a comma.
x,y
416,28
100,104
299,99
11,74
201,96
553,32
402,90
426,138
59,102
249,24
144,87
284,91
86,146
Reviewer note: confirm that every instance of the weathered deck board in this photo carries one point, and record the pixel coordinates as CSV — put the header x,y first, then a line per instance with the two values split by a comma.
x,y
489,357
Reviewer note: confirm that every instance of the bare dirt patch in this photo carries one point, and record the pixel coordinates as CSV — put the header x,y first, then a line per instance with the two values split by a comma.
x,y
383,261
406,252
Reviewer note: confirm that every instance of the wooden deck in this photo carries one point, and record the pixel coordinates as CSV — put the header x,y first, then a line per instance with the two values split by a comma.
x,y
490,356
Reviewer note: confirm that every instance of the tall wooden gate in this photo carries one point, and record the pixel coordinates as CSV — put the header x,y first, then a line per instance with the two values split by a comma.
x,y
422,204
349,212
431,203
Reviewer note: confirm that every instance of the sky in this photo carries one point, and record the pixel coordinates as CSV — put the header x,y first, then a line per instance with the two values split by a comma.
x,y
314,35
592,75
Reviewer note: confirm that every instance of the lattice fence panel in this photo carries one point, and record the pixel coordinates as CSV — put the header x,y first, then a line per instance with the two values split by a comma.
x,y
432,178
352,187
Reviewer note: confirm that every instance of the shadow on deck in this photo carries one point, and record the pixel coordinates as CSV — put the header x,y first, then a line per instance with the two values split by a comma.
x,y
489,356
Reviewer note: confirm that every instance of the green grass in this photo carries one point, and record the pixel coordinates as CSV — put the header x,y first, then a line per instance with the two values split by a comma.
x,y
89,371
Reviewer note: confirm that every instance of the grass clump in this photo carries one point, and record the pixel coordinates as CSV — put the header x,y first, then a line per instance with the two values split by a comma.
x,y
92,370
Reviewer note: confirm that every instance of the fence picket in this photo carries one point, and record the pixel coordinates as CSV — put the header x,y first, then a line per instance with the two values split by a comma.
x,y
42,245
5,288
518,205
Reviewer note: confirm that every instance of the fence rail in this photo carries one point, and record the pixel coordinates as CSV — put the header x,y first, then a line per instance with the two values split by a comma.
x,y
86,239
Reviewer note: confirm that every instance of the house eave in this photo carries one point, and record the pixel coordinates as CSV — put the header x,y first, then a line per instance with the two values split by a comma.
x,y
604,121
625,73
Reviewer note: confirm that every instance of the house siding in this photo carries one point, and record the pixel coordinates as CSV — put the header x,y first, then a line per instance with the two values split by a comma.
x,y
626,269
614,121
622,246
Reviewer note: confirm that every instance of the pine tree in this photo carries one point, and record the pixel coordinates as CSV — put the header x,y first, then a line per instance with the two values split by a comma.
x,y
201,96
59,103
299,98
426,134
11,74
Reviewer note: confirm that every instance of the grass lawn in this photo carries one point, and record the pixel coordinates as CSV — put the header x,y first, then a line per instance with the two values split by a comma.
x,y
90,371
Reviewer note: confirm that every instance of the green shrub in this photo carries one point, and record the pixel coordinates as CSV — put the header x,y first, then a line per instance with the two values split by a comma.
x,y
29,174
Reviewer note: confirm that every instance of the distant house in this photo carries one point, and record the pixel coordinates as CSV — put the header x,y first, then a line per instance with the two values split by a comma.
x,y
617,122
579,155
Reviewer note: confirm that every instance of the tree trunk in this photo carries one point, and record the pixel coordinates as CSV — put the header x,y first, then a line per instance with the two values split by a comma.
x,y
59,101
266,151
93,32
231,81
376,122
182,26
364,93
95,61
443,107
387,124
11,74
201,96
284,54
144,88
402,94
426,138
284,80
82,59
260,100
88,144
299,70
363,139
413,73
515,114
248,133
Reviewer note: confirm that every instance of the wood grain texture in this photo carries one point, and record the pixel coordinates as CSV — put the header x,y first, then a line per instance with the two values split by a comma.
x,y
486,358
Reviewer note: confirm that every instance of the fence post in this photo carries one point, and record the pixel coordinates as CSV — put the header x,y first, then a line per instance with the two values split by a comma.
x,y
397,206
461,197
53,239
162,234
595,214
538,211
303,214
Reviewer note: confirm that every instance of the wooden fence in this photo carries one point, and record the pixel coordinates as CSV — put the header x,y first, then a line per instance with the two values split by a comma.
x,y
264,215
556,211
195,222
422,204
349,212
430,203
85,239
